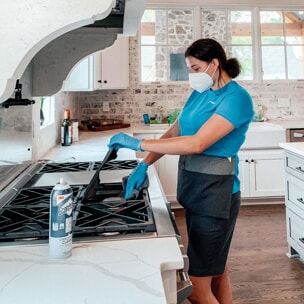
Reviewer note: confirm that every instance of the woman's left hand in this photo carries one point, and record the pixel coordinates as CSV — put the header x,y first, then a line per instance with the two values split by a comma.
x,y
124,140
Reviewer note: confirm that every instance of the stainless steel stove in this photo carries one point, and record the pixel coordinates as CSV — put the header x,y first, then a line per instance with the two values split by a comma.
x,y
106,215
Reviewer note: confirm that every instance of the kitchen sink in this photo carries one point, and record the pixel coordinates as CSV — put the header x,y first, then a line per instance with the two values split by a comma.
x,y
264,135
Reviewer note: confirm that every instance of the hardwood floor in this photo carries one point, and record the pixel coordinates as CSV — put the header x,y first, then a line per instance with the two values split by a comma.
x,y
260,270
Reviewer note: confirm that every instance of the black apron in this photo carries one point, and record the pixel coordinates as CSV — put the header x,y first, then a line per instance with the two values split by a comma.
x,y
205,184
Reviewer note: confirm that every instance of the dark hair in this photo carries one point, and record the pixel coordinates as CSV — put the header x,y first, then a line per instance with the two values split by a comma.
x,y
207,49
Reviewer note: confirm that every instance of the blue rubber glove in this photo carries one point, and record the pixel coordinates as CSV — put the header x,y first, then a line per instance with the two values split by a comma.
x,y
136,179
125,141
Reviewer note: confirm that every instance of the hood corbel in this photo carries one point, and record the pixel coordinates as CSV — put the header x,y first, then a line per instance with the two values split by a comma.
x,y
36,24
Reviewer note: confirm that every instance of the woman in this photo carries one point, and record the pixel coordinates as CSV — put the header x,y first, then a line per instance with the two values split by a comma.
x,y
207,135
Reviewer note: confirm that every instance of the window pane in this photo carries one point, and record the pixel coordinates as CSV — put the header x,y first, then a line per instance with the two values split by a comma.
x,y
47,109
154,63
233,29
214,25
244,55
273,62
272,27
165,35
148,63
154,27
295,62
241,27
180,27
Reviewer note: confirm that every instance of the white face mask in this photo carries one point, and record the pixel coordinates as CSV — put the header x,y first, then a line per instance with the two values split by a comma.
x,y
200,81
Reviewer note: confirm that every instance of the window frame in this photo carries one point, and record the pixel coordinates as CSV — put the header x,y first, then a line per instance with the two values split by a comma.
x,y
256,37
48,111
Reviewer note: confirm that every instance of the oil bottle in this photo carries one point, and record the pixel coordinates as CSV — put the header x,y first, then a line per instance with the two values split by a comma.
x,y
61,218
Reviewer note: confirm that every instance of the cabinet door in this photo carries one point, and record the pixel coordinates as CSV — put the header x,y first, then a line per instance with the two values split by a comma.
x,y
80,77
166,167
112,66
244,174
267,176
167,172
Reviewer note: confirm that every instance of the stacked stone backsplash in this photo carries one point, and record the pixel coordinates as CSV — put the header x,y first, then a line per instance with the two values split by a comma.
x,y
281,100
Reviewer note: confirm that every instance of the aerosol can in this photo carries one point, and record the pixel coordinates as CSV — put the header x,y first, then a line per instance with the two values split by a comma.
x,y
60,226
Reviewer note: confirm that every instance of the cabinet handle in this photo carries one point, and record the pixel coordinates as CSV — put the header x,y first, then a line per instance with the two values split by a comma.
x,y
252,161
299,169
99,81
300,199
246,161
105,81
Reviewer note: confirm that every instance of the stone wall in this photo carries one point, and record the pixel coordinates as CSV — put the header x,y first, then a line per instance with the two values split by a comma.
x,y
281,100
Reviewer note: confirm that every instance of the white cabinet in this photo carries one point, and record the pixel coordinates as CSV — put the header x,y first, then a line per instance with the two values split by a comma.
x,y
166,168
112,66
167,171
107,69
261,173
294,201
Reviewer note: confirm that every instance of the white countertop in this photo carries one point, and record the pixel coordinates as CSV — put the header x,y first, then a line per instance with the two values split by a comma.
x,y
121,271
295,147
100,272
289,124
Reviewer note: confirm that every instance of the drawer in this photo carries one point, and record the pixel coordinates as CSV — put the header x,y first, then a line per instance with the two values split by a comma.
x,y
295,231
295,192
295,165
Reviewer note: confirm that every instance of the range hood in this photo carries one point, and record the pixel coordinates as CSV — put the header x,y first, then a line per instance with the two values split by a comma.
x,y
52,36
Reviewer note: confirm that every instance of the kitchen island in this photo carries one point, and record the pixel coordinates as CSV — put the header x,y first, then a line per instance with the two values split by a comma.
x,y
114,271
294,198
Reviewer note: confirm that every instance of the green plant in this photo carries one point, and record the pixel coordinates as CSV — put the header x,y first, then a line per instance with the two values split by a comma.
x,y
41,102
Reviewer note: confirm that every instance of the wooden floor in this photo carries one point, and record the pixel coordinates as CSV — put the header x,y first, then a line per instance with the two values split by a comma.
x,y
260,271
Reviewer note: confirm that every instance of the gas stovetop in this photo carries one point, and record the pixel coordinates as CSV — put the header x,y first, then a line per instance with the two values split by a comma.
x,y
107,215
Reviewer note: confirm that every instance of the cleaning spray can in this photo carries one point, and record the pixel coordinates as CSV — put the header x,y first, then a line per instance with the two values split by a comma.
x,y
60,226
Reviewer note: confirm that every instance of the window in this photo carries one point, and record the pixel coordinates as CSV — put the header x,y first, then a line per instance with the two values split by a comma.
x,y
277,37
165,35
282,42
233,30
46,110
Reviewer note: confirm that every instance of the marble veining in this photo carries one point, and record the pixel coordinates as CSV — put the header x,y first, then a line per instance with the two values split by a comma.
x,y
114,271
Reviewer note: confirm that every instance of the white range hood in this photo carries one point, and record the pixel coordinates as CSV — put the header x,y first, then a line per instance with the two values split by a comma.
x,y
52,36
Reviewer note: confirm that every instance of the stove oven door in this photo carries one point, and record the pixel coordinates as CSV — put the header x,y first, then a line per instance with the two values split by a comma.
x,y
184,285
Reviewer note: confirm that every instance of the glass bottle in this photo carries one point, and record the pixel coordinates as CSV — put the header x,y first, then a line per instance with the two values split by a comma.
x,y
66,129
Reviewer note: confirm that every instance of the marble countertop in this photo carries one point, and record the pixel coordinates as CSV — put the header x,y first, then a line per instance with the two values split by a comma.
x,y
295,147
120,271
99,272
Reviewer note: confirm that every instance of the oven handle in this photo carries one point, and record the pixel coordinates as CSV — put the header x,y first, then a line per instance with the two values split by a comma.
x,y
184,285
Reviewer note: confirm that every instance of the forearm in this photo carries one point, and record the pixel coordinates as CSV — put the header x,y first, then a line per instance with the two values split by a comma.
x,y
172,146
212,131
173,131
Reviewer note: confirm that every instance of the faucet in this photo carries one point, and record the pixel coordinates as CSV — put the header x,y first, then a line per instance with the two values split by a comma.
x,y
18,100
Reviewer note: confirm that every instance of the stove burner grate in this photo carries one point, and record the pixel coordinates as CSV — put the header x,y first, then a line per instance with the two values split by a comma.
x,y
116,165
26,216
120,216
65,167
